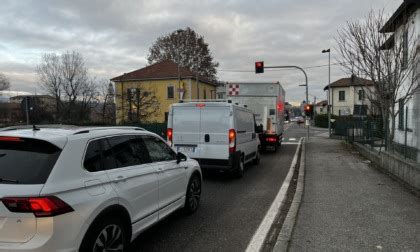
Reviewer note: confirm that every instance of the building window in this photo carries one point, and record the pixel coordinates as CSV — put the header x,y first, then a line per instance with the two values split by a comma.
x,y
341,95
170,92
404,63
204,94
361,95
401,114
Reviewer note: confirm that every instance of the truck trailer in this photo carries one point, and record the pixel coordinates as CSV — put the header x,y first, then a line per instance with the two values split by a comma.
x,y
267,101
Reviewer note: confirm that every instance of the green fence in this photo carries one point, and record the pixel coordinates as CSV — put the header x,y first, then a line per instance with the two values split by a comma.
x,y
367,130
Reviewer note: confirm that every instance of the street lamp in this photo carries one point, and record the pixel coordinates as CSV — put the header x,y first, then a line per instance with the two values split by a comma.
x,y
329,82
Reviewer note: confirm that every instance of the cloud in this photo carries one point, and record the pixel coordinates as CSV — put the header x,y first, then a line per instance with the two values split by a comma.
x,y
114,36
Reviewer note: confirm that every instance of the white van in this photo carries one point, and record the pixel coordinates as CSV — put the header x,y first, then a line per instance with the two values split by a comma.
x,y
219,135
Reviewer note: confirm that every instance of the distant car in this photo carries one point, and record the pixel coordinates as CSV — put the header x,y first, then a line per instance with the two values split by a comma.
x,y
88,189
300,119
220,135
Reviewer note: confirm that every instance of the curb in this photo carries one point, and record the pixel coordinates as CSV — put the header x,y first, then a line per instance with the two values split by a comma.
x,y
285,234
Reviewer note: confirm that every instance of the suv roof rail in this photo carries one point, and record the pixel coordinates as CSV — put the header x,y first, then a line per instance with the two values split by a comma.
x,y
87,130
38,127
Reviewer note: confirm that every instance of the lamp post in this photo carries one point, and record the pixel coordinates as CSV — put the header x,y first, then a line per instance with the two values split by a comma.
x,y
305,85
329,82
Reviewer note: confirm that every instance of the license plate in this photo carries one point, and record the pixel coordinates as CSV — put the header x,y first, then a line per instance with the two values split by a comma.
x,y
186,149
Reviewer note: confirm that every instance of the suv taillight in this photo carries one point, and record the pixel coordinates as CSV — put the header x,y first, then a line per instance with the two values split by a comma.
x,y
232,141
169,134
40,206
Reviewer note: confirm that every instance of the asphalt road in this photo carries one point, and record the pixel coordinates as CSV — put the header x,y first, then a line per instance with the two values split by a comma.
x,y
231,209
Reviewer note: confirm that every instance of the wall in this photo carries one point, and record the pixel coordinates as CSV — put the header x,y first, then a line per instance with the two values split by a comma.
x,y
159,87
403,169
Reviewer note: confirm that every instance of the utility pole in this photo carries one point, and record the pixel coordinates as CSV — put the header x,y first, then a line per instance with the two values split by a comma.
x,y
27,109
329,107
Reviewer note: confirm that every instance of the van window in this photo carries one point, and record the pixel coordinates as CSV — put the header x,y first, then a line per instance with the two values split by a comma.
x,y
26,161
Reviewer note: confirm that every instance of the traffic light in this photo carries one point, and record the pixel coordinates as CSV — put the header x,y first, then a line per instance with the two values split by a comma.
x,y
259,67
309,109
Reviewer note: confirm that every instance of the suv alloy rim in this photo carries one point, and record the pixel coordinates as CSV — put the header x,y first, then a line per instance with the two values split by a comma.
x,y
195,191
110,239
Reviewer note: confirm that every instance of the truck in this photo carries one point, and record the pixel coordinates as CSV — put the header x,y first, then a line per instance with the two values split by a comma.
x,y
267,101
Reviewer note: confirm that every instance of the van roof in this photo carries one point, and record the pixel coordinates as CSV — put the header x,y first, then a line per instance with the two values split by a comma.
x,y
212,104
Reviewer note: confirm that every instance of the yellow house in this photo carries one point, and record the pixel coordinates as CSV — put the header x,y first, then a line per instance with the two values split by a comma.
x,y
145,95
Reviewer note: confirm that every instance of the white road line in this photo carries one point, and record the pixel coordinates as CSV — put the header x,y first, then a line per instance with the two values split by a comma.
x,y
258,239
292,139
290,143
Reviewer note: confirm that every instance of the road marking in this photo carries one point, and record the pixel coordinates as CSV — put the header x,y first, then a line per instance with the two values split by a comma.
x,y
290,143
258,239
292,139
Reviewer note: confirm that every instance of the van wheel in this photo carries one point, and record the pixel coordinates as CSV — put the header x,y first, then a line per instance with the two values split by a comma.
x,y
239,172
192,201
256,160
106,234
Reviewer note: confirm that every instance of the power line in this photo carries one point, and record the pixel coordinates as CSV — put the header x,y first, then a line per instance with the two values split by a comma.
x,y
274,70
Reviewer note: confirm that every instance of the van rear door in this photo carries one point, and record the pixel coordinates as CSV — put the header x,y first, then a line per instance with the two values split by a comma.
x,y
186,129
215,124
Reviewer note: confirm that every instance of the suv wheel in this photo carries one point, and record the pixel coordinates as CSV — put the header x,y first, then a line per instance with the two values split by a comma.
x,y
106,234
192,201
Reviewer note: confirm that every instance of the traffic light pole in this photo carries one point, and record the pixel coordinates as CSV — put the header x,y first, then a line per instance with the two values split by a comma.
x,y
306,86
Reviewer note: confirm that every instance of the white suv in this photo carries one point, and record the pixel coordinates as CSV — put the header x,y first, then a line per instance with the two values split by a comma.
x,y
88,189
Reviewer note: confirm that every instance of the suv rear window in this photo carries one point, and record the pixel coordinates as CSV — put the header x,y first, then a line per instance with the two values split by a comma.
x,y
26,161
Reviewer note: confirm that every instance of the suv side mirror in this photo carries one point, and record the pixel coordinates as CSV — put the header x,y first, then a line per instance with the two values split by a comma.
x,y
180,157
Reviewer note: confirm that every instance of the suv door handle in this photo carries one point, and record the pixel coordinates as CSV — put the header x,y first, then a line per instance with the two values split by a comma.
x,y
119,179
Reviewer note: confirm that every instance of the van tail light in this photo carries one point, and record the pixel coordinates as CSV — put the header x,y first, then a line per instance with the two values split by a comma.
x,y
169,134
40,206
232,141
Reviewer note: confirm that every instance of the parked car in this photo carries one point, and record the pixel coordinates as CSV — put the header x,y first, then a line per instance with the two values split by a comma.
x,y
220,135
88,189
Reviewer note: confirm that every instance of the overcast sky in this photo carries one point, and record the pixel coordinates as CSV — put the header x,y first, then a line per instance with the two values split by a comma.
x,y
114,36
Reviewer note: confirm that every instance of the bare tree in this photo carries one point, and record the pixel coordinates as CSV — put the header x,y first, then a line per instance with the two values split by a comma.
x,y
51,79
186,48
142,104
385,59
107,103
66,78
4,82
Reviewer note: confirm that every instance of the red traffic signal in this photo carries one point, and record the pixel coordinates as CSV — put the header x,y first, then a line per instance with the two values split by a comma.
x,y
309,109
259,67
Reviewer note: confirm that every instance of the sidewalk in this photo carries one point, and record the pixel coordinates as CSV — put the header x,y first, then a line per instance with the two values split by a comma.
x,y
348,205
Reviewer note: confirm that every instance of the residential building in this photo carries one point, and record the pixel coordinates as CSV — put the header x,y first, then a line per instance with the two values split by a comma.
x,y
165,81
321,108
349,96
404,25
10,113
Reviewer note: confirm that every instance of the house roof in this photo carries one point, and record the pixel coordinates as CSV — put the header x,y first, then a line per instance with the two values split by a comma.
x,y
322,103
166,69
347,82
400,16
